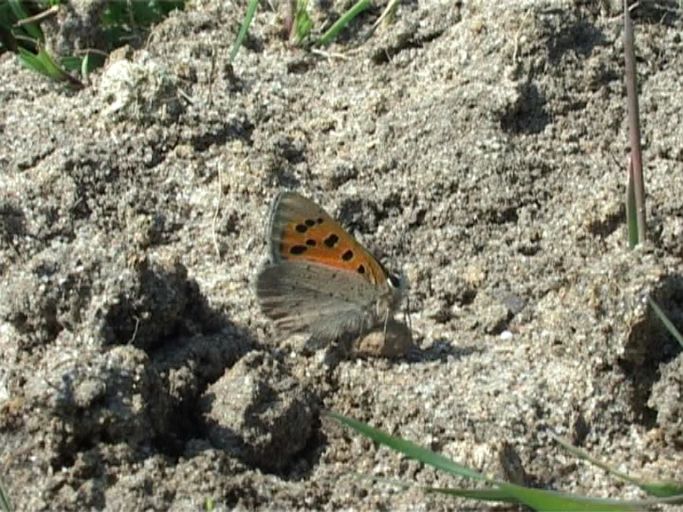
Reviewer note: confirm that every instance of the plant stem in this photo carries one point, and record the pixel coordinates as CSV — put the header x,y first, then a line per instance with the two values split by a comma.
x,y
346,18
635,165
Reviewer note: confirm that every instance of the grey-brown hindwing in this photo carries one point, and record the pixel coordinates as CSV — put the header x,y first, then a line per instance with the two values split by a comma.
x,y
308,297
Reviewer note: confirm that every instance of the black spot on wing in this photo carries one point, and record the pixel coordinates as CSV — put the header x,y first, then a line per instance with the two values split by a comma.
x,y
331,240
298,249
348,254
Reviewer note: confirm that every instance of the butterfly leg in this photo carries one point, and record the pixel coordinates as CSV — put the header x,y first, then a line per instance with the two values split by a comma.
x,y
406,315
386,322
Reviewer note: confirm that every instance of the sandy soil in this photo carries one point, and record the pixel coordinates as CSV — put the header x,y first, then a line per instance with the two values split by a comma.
x,y
479,146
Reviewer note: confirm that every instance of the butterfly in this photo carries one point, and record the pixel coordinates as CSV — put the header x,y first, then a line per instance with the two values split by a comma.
x,y
319,279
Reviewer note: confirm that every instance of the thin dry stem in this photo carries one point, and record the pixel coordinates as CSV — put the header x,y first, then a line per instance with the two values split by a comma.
x,y
636,158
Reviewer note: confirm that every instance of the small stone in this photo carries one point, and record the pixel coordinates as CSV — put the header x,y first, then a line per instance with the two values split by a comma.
x,y
506,335
396,342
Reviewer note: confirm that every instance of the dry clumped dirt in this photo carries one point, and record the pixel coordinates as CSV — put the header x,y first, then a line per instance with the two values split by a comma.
x,y
479,146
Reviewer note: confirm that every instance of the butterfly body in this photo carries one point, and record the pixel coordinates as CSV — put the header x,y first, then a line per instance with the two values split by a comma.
x,y
319,279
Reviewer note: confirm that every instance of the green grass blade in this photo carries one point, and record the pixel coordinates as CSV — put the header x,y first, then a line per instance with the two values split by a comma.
x,y
5,503
302,21
31,61
664,489
43,63
389,15
246,23
551,501
583,455
72,63
489,494
667,323
409,449
86,65
475,494
344,20
541,500
31,29
55,71
507,493
538,499
660,489
83,65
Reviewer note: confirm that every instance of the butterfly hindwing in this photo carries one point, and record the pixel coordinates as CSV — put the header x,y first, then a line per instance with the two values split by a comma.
x,y
308,297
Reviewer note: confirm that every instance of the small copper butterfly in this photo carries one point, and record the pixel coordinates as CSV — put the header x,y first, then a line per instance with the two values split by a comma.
x,y
319,279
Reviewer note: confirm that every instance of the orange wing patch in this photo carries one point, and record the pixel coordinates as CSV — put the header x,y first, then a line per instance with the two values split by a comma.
x,y
319,239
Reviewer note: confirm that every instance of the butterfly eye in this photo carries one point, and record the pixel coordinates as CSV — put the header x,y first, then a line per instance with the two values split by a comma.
x,y
394,281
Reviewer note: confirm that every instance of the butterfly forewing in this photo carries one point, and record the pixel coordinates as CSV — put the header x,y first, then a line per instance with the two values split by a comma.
x,y
299,230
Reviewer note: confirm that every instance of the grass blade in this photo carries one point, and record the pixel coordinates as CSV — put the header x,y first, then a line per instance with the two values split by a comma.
x,y
659,489
669,327
5,503
558,502
409,449
86,66
538,499
664,490
489,494
31,61
55,71
474,494
302,21
43,63
389,15
551,501
32,29
344,20
246,23
583,455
